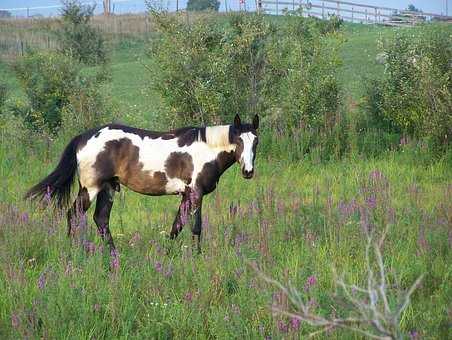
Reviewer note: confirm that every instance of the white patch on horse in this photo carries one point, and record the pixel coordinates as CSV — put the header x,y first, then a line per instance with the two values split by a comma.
x,y
247,153
153,154
175,185
218,136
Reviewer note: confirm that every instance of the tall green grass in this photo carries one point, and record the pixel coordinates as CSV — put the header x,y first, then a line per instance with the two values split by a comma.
x,y
290,220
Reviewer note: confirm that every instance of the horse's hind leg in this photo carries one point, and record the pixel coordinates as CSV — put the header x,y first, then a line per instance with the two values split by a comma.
x,y
78,209
104,204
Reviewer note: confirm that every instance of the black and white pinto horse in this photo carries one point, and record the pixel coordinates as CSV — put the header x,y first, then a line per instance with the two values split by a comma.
x,y
187,161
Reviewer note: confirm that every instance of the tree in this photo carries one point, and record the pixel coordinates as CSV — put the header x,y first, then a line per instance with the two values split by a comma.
x,y
5,14
78,39
202,5
412,8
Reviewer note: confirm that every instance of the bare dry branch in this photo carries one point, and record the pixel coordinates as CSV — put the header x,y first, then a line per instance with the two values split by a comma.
x,y
375,319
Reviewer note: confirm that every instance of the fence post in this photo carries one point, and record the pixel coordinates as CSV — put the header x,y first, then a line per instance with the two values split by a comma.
x,y
375,21
352,15
366,16
338,9
276,7
323,10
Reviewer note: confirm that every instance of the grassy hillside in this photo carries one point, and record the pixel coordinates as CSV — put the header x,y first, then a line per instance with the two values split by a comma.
x,y
296,221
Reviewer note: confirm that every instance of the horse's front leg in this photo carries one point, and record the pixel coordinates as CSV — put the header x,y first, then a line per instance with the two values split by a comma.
x,y
190,204
197,226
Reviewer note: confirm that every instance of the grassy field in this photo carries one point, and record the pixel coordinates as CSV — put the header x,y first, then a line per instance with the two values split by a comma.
x,y
296,221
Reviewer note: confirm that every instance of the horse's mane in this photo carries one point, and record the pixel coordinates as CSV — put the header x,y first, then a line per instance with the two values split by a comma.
x,y
218,136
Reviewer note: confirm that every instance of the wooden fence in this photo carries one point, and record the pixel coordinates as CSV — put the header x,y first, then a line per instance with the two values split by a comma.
x,y
349,11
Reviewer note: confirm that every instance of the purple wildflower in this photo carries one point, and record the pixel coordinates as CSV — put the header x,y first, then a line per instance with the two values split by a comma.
x,y
114,262
310,282
347,209
188,297
312,303
83,221
15,320
169,272
89,246
414,335
295,324
205,222
371,202
184,210
364,220
282,326
422,241
375,175
158,267
42,281
24,218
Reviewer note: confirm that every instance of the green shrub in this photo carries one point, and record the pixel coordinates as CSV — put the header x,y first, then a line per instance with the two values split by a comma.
x,y
87,106
53,84
302,94
208,70
47,79
202,5
77,38
414,94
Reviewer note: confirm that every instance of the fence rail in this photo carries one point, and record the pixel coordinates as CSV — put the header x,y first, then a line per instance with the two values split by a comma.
x,y
350,11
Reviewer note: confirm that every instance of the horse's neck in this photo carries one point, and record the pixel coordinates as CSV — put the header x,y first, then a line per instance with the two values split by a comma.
x,y
225,160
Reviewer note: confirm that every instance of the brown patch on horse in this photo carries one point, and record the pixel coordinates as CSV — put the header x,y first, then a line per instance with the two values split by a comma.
x,y
180,165
120,159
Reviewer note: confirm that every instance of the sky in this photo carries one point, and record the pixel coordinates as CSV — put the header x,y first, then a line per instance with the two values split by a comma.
x,y
122,6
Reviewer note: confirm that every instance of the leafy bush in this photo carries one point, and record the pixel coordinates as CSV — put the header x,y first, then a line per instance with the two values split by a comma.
x,y
53,84
47,79
77,38
87,106
303,95
208,70
414,95
202,5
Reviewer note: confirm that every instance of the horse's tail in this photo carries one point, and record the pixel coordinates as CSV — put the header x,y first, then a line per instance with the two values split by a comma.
x,y
57,185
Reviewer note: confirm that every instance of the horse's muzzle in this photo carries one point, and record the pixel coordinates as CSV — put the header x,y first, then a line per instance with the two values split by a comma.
x,y
247,174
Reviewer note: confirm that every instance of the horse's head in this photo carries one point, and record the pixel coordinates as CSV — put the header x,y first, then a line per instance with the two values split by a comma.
x,y
245,137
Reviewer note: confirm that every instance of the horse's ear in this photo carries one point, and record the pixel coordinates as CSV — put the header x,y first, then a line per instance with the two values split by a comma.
x,y
237,121
255,121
